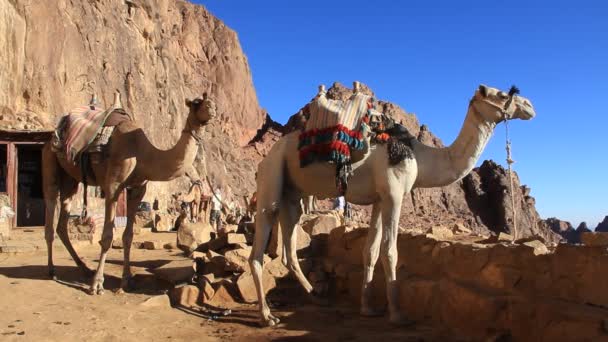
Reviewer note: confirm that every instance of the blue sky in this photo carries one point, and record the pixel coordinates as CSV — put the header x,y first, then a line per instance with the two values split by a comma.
x,y
429,57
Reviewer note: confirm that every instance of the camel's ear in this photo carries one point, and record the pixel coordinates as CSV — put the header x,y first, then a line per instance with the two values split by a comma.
x,y
483,90
188,102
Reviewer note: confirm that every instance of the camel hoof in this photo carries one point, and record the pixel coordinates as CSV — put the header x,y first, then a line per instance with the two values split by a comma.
x,y
369,312
400,321
271,321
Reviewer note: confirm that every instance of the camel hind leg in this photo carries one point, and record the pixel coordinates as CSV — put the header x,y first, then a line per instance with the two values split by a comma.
x,y
289,215
50,179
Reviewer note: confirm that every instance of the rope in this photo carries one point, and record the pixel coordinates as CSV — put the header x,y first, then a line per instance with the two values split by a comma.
x,y
512,193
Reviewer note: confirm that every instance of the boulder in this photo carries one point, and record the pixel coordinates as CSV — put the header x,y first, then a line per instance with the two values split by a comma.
x,y
186,296
175,272
191,235
246,286
234,238
322,224
237,260
225,294
275,246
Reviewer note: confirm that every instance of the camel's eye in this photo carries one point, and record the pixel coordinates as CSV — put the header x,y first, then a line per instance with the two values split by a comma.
x,y
502,95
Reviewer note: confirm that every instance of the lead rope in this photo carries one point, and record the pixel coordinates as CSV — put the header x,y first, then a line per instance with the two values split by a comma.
x,y
510,161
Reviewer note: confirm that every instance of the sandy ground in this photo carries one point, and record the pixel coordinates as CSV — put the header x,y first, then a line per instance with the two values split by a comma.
x,y
36,308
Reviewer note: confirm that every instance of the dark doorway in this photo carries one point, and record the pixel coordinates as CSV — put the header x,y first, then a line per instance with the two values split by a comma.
x,y
3,168
30,201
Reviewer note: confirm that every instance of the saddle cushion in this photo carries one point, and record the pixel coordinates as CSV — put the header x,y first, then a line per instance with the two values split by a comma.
x,y
81,127
334,128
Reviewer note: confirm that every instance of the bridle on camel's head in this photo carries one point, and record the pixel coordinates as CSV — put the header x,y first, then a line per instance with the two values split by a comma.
x,y
504,109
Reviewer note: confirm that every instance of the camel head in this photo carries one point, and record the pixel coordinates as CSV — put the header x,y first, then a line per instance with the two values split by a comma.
x,y
202,110
495,105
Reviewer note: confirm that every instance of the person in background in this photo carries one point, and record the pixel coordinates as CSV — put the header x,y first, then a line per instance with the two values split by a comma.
x,y
215,218
339,204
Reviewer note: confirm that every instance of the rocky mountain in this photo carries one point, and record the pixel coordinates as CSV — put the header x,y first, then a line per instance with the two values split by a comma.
x,y
602,226
158,53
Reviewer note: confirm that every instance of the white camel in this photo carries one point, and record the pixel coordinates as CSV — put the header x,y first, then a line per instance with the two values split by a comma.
x,y
281,183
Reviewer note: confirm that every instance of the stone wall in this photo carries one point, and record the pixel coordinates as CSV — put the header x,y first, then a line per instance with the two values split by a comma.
x,y
478,290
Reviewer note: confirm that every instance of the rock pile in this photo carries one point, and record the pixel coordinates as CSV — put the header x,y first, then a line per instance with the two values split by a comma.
x,y
216,270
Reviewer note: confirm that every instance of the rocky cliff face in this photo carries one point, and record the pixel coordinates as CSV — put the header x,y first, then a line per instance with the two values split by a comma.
x,y
157,53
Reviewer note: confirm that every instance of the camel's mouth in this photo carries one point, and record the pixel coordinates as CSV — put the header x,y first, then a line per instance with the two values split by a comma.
x,y
525,110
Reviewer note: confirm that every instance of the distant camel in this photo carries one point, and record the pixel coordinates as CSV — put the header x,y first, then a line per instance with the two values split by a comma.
x,y
193,199
131,161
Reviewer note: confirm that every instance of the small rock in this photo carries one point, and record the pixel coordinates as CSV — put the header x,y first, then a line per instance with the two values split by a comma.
x,y
157,301
117,244
460,228
170,245
230,228
539,247
151,245
504,237
442,233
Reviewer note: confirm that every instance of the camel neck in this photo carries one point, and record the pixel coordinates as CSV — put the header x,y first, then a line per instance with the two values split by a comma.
x,y
165,165
444,166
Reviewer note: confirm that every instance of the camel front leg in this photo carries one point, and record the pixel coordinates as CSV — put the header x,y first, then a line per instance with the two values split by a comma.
x,y
370,257
264,222
134,197
106,239
391,208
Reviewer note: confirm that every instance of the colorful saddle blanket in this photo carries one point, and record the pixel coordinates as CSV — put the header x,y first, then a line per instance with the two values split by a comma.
x,y
81,126
334,128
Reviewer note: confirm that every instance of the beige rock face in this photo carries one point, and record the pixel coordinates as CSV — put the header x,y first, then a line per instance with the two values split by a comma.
x,y
156,53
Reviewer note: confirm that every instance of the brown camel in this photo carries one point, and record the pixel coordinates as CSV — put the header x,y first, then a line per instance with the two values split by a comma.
x,y
193,199
131,161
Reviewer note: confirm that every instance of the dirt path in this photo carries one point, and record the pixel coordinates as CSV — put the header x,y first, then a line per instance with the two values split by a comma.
x,y
35,308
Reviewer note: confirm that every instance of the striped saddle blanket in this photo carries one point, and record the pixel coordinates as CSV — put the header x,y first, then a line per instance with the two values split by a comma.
x,y
334,128
79,128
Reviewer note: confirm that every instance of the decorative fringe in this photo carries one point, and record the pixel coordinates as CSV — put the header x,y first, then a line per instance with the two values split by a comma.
x,y
331,144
